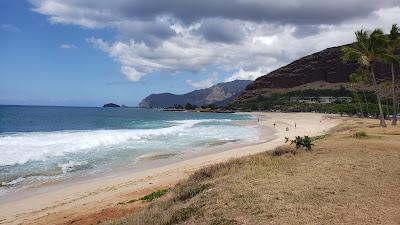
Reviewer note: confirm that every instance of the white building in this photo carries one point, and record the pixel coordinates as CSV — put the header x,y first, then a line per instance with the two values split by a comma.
x,y
322,100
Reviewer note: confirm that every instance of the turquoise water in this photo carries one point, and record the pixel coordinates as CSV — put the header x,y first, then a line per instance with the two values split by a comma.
x,y
40,144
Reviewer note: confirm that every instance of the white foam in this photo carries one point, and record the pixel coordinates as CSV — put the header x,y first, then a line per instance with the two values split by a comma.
x,y
14,182
71,166
21,148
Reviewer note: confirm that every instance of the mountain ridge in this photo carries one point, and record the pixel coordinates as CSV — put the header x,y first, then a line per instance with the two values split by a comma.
x,y
324,68
219,94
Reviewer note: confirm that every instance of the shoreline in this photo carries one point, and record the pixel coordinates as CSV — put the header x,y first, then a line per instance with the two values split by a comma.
x,y
93,195
144,162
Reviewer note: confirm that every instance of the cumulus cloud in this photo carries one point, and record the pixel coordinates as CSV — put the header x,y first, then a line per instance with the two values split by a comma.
x,y
203,83
248,37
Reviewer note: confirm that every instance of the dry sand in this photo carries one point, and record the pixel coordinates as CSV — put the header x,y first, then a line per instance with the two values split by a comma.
x,y
97,197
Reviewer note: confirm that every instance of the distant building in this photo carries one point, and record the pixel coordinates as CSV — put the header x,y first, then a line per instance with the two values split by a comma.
x,y
322,100
304,99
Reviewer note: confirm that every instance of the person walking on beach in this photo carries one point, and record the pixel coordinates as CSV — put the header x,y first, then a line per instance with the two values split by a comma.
x,y
274,124
295,125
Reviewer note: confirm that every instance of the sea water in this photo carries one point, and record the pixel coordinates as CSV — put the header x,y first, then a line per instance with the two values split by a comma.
x,y
40,144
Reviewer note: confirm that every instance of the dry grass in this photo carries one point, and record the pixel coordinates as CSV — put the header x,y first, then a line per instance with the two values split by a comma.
x,y
342,181
283,150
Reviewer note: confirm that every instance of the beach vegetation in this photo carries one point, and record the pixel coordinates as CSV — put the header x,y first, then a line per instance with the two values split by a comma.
x,y
177,106
281,102
153,195
189,106
147,198
356,78
360,135
359,79
210,106
367,49
391,56
305,142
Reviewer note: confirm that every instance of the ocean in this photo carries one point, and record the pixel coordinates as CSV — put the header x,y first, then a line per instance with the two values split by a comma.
x,y
40,144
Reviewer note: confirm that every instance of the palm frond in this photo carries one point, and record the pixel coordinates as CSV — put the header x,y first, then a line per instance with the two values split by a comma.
x,y
390,58
360,76
394,32
350,53
379,41
364,60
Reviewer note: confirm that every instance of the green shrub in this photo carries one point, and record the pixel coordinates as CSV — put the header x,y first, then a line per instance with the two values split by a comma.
x,y
301,142
147,198
153,195
360,135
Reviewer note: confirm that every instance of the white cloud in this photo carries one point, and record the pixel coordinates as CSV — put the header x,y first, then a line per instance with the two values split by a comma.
x,y
203,83
67,46
9,27
245,75
131,73
265,47
158,36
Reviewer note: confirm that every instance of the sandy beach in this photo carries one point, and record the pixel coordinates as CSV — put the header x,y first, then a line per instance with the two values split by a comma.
x,y
72,203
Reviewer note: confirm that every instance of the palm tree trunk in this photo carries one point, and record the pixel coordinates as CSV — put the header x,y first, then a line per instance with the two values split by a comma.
x,y
382,119
387,107
366,102
394,120
359,103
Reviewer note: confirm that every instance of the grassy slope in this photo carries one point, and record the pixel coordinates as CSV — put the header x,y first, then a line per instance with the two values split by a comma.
x,y
343,180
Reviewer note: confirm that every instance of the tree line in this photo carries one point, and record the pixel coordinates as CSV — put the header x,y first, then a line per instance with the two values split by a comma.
x,y
369,48
189,106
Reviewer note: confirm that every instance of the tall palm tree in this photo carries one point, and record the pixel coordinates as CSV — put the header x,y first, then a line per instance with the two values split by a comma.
x,y
354,81
363,79
393,48
359,79
367,50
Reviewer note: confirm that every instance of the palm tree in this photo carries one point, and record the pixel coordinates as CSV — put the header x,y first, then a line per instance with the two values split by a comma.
x,y
367,50
354,80
363,79
360,78
390,56
387,86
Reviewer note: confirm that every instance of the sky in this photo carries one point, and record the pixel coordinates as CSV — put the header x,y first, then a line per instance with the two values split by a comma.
x,y
91,52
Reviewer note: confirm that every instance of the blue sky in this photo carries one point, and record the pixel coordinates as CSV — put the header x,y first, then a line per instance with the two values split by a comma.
x,y
91,52
35,70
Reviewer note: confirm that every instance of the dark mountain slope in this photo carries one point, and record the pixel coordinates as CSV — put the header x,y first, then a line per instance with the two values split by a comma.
x,y
324,68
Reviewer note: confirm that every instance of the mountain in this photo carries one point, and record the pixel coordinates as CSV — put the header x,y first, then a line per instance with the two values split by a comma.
x,y
219,94
321,70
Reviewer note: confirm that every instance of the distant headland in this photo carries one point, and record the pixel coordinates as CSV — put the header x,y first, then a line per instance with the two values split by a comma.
x,y
110,105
